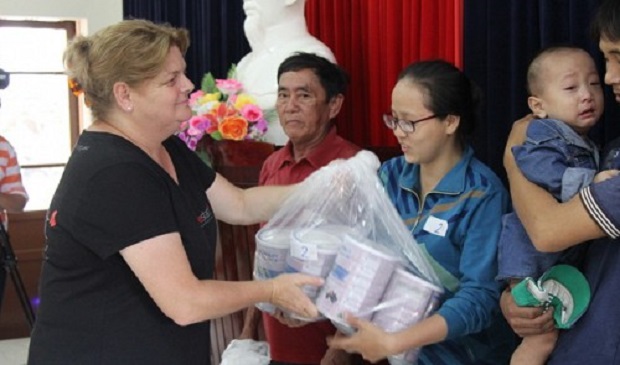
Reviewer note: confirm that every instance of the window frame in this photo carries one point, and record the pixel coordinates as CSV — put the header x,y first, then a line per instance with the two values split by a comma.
x,y
76,113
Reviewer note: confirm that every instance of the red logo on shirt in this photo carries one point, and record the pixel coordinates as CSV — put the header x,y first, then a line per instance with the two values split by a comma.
x,y
205,217
53,218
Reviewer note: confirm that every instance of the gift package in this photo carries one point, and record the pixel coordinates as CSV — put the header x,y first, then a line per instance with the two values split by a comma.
x,y
340,224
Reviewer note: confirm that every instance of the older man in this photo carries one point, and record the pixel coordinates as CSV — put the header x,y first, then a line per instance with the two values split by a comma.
x,y
275,30
310,95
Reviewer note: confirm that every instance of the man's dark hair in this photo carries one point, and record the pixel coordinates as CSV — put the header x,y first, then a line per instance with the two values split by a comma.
x,y
606,22
333,78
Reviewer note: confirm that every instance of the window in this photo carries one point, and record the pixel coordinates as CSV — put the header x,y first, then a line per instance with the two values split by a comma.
x,y
39,115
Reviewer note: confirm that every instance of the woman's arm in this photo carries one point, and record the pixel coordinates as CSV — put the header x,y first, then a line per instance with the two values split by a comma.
x,y
234,205
552,226
161,265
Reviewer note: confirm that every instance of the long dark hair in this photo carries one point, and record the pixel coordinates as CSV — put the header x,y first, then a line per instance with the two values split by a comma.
x,y
448,91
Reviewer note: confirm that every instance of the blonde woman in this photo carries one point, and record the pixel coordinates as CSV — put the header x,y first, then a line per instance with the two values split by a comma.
x,y
131,230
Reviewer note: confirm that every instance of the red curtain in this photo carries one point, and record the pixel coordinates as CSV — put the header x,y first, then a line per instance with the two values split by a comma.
x,y
373,40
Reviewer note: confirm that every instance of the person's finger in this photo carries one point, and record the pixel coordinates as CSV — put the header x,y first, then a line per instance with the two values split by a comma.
x,y
541,324
528,322
302,280
287,294
342,343
279,315
356,322
306,309
528,313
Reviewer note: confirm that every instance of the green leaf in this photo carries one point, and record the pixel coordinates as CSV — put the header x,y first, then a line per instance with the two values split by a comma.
x,y
216,135
205,157
271,115
208,84
232,72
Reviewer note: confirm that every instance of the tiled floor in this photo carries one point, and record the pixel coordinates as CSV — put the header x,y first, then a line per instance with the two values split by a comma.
x,y
14,352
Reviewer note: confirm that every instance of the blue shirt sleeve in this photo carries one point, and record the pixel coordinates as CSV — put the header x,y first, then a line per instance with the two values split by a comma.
x,y
475,303
542,158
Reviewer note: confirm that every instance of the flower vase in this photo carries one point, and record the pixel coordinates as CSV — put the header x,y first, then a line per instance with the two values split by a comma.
x,y
238,161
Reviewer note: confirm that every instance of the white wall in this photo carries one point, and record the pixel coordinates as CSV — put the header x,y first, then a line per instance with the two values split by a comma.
x,y
97,13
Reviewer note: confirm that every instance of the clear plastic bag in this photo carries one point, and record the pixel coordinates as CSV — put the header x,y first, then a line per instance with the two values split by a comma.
x,y
341,225
247,352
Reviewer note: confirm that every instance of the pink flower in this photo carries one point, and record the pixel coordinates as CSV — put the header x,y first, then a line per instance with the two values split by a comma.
x,y
228,86
251,112
197,125
213,124
261,126
193,97
192,143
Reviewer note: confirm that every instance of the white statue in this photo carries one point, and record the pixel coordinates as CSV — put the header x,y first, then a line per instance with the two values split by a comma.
x,y
275,30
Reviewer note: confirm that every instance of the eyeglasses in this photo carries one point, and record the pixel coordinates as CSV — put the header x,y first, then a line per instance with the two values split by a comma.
x,y
407,126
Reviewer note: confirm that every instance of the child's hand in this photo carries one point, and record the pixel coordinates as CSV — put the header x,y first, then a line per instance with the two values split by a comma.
x,y
605,174
525,321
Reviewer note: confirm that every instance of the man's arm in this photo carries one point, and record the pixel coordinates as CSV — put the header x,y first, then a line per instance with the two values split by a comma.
x,y
13,196
13,203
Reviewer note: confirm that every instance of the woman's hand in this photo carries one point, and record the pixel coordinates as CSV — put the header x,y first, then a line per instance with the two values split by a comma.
x,y
525,321
370,341
287,294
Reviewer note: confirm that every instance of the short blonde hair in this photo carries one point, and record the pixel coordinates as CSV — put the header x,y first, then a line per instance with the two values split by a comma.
x,y
131,51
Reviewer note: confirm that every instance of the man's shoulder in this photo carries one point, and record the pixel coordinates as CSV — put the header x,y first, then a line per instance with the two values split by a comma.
x,y
5,145
347,147
275,158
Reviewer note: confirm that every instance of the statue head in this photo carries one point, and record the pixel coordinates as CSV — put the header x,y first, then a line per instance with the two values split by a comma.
x,y
260,15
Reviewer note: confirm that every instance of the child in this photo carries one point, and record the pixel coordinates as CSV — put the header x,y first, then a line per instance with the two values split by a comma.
x,y
567,99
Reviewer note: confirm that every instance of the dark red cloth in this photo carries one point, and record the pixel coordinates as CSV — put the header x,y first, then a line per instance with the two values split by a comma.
x,y
303,345
373,40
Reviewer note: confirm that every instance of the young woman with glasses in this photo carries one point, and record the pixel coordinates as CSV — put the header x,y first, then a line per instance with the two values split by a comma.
x,y
453,204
